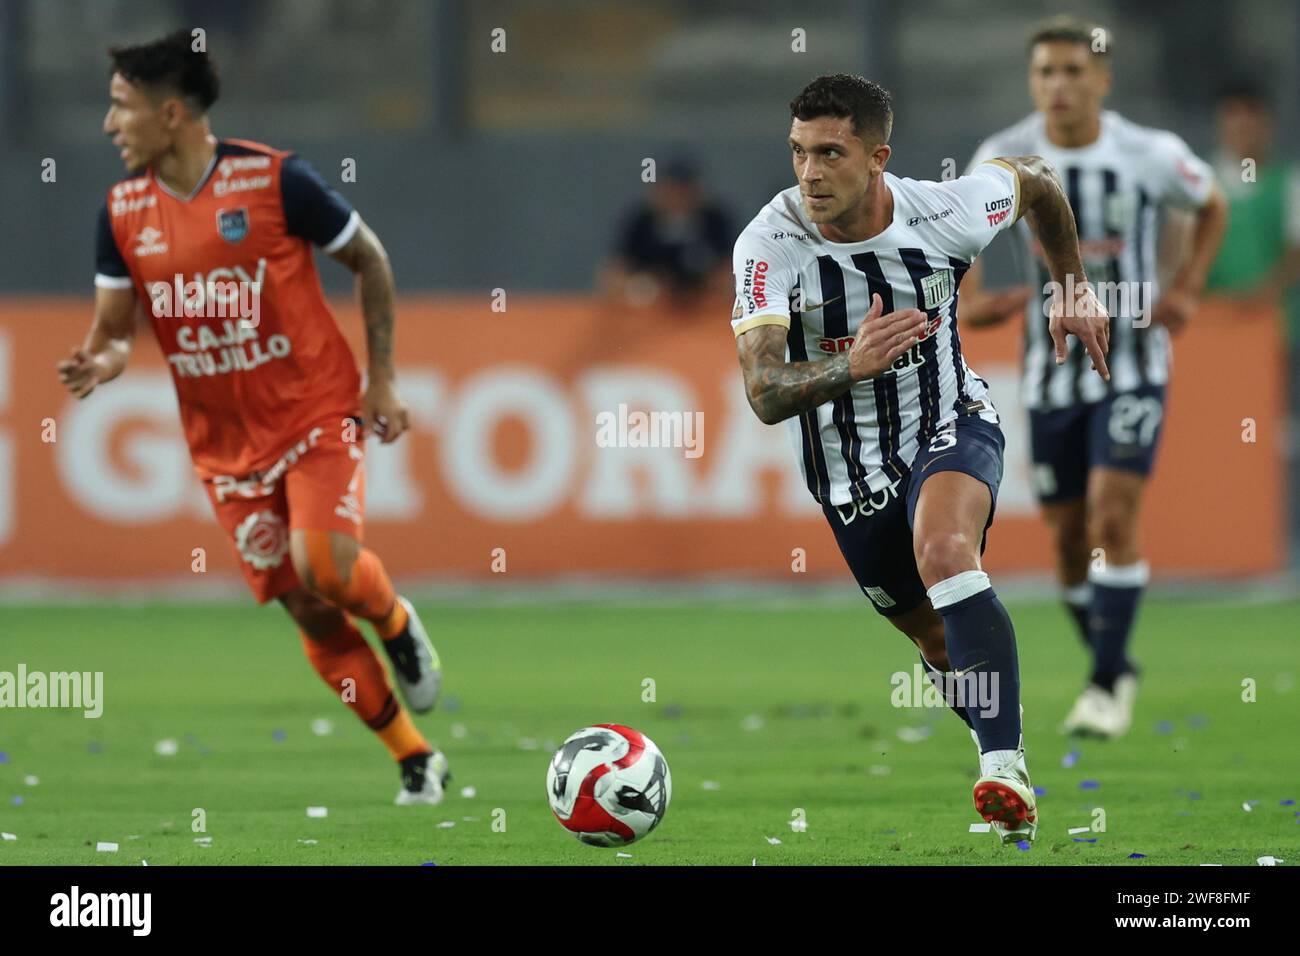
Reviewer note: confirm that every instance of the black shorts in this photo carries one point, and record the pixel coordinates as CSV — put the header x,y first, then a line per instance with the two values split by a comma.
x,y
875,534
1120,431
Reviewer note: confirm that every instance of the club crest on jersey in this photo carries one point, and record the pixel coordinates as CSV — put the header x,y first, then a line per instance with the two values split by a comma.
x,y
233,224
936,288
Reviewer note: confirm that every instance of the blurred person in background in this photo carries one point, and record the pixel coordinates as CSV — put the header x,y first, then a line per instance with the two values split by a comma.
x,y
1093,442
269,396
1260,258
674,248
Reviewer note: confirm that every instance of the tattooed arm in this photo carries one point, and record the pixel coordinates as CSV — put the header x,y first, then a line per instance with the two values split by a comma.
x,y
778,389
1043,203
381,406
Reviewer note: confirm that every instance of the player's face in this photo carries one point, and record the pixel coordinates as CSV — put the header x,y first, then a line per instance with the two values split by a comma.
x,y
833,166
139,126
1067,82
1245,127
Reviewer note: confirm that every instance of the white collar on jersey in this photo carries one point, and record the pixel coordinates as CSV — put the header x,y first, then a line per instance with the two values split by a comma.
x,y
203,180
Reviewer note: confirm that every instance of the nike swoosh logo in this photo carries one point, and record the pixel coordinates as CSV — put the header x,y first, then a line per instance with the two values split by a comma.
x,y
814,308
966,670
936,458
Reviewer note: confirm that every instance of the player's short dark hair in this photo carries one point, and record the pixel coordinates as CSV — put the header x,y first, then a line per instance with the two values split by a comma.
x,y
1071,30
171,65
1247,90
847,96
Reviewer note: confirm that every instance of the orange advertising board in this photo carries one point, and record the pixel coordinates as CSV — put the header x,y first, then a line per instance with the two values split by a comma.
x,y
509,464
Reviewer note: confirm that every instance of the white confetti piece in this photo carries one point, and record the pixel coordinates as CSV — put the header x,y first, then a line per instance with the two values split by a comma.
x,y
754,862
459,731
752,722
322,726
980,827
1073,830
625,856
307,842
711,785
913,735
166,748
469,793
799,826
31,780
144,862
469,819
528,743
104,847
203,841
773,840
134,836
318,811
1269,861
8,836
446,824
1209,864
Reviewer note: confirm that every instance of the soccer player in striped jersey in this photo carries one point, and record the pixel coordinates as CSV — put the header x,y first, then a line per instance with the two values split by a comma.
x,y
215,238
846,296
1093,441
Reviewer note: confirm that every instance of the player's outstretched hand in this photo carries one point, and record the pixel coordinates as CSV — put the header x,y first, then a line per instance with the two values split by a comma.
x,y
1087,320
79,373
883,338
384,411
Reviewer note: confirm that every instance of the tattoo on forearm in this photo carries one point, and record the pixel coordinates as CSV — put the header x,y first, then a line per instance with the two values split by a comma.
x,y
778,389
1050,217
376,281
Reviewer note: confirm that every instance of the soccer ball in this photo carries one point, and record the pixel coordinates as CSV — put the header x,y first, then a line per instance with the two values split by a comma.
x,y
609,785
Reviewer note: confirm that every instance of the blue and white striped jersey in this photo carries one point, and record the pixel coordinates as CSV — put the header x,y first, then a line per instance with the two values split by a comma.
x,y
788,274
1116,186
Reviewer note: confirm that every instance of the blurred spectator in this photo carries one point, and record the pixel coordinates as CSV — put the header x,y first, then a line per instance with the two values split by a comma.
x,y
675,248
1260,255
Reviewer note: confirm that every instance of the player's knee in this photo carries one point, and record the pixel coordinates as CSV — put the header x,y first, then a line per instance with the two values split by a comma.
x,y
315,617
940,556
932,647
1113,528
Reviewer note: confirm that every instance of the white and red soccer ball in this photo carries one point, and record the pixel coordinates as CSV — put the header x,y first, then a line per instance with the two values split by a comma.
x,y
609,785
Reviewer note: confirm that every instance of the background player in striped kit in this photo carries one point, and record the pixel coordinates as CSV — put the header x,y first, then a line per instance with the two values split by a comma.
x,y
846,295
1093,443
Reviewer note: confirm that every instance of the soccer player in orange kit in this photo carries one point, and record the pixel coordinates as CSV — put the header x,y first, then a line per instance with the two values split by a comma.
x,y
215,238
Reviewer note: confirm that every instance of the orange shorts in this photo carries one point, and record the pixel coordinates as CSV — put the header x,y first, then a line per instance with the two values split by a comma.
x,y
319,484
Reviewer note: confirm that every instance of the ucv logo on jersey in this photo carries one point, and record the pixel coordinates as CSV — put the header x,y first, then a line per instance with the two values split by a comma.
x,y
233,224
936,288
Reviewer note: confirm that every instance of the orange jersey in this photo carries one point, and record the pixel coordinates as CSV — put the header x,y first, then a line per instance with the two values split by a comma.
x,y
227,277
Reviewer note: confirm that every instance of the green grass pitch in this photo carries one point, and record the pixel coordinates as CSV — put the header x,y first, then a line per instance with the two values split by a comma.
x,y
778,707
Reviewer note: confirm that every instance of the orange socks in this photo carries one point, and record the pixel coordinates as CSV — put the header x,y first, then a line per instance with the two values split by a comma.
x,y
368,594
353,671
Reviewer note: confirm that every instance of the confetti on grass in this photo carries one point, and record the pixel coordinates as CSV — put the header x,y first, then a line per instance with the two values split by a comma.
x,y
1089,785
1040,791
31,780
773,840
17,801
1074,830
1085,839
468,792
307,842
318,811
1070,759
1137,856
104,847
1269,861
8,836
625,856
446,824
203,841
1287,803
166,748
980,827
1023,844
278,736
4,757
711,785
